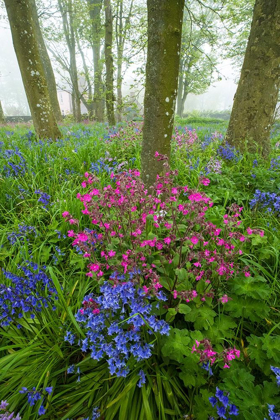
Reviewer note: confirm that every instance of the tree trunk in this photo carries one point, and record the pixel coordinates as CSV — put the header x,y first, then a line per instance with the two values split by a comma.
x,y
180,93
257,92
67,14
95,15
49,74
162,70
109,63
119,90
2,116
31,68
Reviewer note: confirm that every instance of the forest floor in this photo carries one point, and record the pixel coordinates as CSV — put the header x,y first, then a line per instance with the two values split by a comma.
x,y
39,181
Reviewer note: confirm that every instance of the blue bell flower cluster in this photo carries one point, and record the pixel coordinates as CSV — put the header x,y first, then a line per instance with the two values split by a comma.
x,y
27,293
223,405
119,325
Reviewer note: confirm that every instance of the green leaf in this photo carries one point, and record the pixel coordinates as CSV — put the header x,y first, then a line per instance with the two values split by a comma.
x,y
202,317
184,309
176,345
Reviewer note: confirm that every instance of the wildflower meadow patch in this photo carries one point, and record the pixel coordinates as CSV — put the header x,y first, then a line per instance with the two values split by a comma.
x,y
118,302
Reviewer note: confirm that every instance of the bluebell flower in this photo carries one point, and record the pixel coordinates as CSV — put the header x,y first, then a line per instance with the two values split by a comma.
x,y
42,410
213,401
221,411
142,380
276,370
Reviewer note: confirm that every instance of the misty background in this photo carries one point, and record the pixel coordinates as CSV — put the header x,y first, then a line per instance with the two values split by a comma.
x,y
218,97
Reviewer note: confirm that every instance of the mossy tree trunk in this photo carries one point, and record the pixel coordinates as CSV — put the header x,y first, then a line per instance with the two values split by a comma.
x,y
49,74
95,15
110,98
257,92
164,42
2,116
31,67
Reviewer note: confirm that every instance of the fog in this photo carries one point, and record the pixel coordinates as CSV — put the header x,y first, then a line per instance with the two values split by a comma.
x,y
219,95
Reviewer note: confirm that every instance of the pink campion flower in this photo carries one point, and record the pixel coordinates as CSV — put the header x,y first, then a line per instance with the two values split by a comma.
x,y
226,366
224,299
86,255
175,294
96,311
65,214
146,290
242,238
89,274
71,233
113,233
112,175
167,240
247,274
86,174
174,191
100,273
168,225
156,154
205,181
133,208
194,240
180,207
94,191
94,267
197,264
156,225
261,233
220,242
221,270
72,221
84,184
249,231
82,237
217,232
111,253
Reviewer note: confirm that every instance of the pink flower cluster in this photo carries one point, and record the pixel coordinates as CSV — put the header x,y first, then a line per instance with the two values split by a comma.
x,y
150,236
208,354
186,138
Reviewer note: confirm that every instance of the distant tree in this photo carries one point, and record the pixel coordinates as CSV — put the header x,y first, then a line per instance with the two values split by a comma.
x,y
257,92
199,34
124,13
67,11
110,97
165,20
2,116
30,63
49,74
95,7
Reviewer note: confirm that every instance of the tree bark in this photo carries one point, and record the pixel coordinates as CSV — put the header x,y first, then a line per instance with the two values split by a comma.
x,y
49,74
257,92
31,67
2,116
95,15
109,63
162,70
